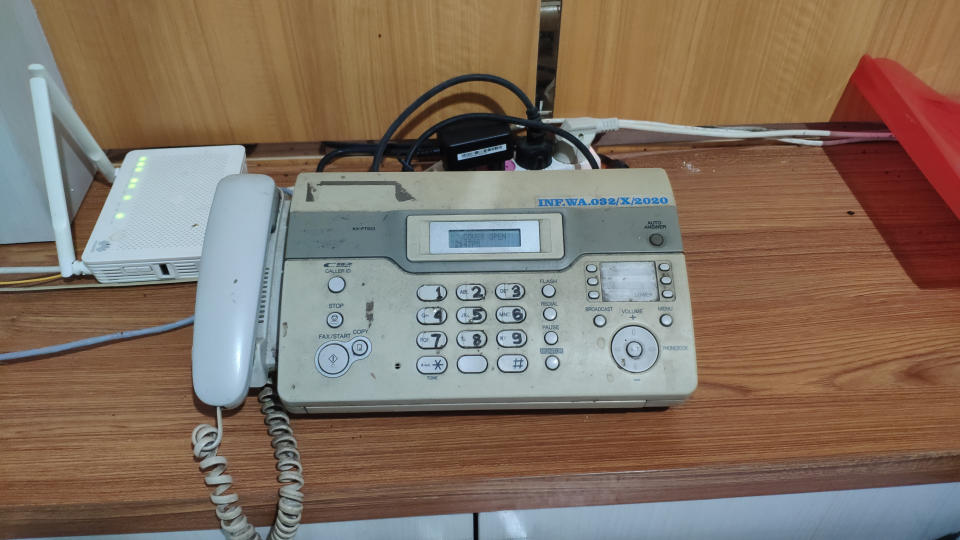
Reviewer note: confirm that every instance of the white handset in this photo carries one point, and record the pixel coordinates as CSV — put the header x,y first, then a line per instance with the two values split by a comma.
x,y
228,290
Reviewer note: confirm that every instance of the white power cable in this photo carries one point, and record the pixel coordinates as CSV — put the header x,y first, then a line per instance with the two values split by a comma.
x,y
29,269
791,136
834,142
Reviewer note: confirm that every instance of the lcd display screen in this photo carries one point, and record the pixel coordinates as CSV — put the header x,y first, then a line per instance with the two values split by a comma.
x,y
484,238
629,282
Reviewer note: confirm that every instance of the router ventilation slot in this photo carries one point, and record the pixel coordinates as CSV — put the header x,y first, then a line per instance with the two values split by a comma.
x,y
186,269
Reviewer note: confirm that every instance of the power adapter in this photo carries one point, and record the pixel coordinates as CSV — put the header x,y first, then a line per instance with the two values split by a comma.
x,y
475,143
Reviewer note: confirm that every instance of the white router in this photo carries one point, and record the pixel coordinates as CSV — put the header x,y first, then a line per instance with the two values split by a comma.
x,y
152,224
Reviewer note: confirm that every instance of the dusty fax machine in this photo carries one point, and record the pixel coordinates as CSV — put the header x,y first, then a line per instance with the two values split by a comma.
x,y
371,292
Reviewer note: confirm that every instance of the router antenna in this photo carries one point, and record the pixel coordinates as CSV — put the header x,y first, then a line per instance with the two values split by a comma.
x,y
49,100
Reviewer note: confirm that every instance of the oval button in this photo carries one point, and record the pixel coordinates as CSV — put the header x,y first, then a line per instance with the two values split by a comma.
x,y
511,314
431,293
431,315
471,315
431,365
469,339
474,363
512,363
471,291
511,338
510,291
431,340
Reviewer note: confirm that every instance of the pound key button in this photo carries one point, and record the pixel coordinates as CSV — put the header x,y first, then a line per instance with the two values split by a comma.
x,y
512,363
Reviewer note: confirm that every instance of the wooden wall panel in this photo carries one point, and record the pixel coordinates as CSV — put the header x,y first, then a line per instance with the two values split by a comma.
x,y
732,61
181,72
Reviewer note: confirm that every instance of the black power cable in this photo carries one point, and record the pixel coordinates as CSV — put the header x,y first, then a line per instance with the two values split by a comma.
x,y
532,112
395,150
535,124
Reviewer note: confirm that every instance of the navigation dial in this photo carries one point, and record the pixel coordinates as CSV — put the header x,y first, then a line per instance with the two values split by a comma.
x,y
634,349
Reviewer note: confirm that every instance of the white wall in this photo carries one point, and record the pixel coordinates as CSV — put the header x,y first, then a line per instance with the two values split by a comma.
x,y
24,215
923,512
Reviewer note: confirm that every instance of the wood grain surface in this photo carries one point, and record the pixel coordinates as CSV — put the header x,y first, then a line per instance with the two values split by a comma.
x,y
743,61
826,295
195,72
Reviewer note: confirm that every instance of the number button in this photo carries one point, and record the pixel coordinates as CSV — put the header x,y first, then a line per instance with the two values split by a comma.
x,y
471,315
471,291
511,338
511,314
510,291
471,339
431,340
432,315
431,293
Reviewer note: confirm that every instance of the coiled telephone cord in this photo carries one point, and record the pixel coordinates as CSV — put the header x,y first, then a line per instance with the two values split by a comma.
x,y
206,440
290,504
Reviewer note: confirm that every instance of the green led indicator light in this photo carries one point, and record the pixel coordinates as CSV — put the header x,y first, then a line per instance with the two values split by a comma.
x,y
138,169
134,180
127,197
119,215
143,158
131,185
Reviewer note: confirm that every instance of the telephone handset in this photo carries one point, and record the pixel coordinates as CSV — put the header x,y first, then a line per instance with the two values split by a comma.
x,y
229,288
235,312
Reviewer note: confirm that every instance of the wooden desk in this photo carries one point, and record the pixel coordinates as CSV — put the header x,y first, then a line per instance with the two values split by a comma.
x,y
826,293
